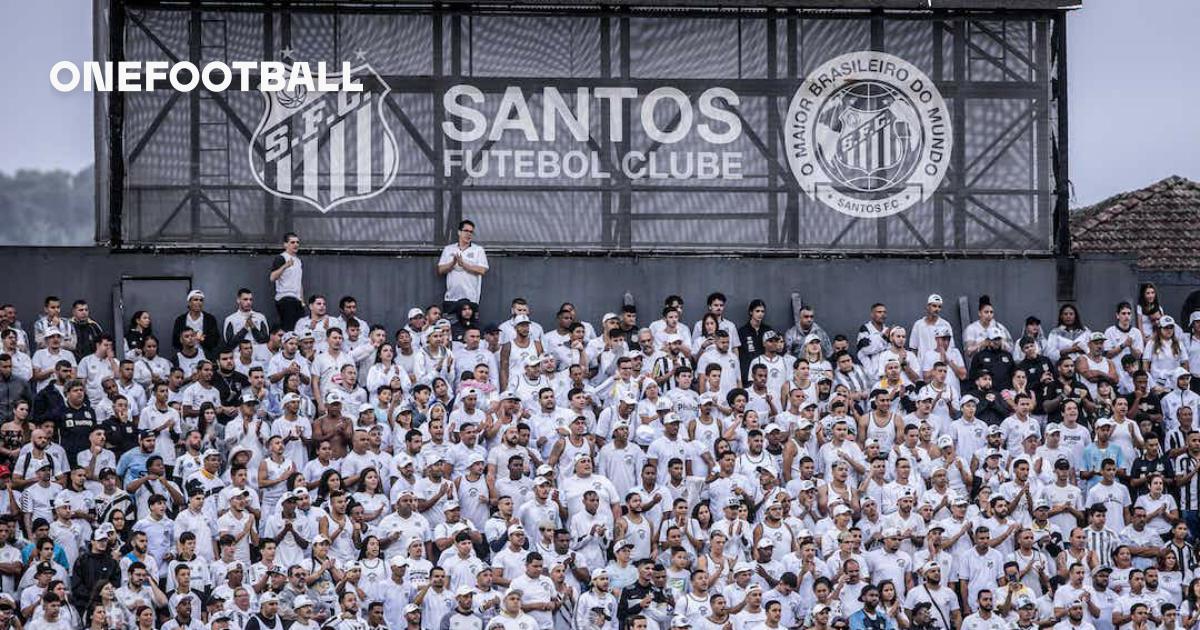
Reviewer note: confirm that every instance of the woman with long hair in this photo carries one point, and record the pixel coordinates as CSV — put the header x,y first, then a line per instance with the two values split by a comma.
x,y
818,365
889,601
369,494
14,435
982,329
370,558
68,614
702,516
105,597
96,618
1147,305
135,335
121,521
1164,353
205,423
1189,612
709,325
386,372
1069,337
331,480
1170,576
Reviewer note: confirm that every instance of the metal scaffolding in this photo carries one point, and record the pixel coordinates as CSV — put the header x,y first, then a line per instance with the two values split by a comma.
x,y
174,179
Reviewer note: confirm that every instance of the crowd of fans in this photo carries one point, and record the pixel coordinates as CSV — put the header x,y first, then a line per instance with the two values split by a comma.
x,y
315,469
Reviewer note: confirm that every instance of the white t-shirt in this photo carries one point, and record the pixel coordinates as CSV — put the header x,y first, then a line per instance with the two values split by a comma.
x,y
461,283
1114,497
290,282
1159,524
944,601
994,622
536,590
44,360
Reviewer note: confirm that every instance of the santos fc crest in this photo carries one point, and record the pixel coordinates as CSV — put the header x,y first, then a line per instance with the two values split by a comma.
x,y
325,148
868,134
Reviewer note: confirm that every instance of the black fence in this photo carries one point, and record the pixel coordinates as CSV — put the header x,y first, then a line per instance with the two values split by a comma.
x,y
200,170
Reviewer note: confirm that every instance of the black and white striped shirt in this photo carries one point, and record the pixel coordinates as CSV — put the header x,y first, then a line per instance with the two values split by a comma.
x,y
1175,439
1103,542
1187,561
1189,493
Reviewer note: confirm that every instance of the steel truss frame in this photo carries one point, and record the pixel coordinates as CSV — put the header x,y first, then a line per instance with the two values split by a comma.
x,y
977,39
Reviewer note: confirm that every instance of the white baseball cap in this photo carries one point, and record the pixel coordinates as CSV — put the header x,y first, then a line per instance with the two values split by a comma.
x,y
933,299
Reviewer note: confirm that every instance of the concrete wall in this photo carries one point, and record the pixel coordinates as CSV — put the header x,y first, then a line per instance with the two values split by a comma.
x,y
1173,289
842,290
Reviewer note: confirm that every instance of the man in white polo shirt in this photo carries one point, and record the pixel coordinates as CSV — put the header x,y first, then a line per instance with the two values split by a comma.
x,y
463,263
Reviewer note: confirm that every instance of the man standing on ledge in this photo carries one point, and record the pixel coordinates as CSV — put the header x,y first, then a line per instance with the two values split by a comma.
x,y
463,263
288,275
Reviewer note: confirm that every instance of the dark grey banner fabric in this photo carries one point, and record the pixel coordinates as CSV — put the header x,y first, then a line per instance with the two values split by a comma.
x,y
670,131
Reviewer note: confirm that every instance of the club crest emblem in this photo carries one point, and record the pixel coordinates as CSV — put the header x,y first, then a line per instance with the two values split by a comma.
x,y
868,135
326,148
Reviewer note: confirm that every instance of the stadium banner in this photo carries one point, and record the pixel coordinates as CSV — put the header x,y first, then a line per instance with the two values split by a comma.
x,y
688,131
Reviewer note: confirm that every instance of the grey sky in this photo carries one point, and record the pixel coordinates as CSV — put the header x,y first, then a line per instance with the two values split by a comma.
x,y
1132,119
